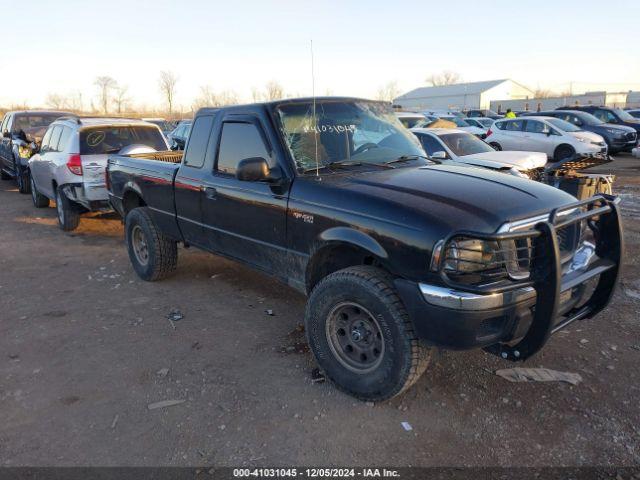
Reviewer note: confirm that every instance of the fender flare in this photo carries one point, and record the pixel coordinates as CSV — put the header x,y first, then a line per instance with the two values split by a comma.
x,y
353,237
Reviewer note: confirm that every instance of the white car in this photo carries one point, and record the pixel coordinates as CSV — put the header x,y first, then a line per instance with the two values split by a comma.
x,y
461,123
558,139
452,145
411,119
480,122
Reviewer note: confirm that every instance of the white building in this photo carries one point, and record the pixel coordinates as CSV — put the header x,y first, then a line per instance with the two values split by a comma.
x,y
610,99
462,96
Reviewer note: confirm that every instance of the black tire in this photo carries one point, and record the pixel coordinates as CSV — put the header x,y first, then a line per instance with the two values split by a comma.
x,y
152,254
563,152
22,179
496,146
39,200
68,212
368,291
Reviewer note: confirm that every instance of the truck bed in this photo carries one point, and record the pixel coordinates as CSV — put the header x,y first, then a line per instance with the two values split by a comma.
x,y
168,156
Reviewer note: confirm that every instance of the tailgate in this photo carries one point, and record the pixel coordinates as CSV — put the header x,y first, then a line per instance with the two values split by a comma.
x,y
93,176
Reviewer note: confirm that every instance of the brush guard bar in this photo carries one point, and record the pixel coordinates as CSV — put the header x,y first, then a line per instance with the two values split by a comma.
x,y
602,215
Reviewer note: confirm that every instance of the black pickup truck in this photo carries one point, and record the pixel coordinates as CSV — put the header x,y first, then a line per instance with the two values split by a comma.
x,y
396,253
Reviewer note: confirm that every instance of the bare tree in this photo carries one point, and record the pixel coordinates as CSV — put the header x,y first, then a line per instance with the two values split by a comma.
x,y
56,101
210,98
168,81
273,91
388,92
256,94
543,93
121,98
105,84
447,77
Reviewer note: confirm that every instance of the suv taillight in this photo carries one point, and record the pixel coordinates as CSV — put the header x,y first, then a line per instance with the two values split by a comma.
x,y
74,164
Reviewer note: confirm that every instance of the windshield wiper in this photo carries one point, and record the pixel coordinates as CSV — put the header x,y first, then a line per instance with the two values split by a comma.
x,y
345,163
406,158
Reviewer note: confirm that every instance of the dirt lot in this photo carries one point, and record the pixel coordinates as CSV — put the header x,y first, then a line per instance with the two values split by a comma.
x,y
85,347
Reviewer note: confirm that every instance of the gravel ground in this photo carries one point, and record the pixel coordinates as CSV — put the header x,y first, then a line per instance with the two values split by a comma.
x,y
86,348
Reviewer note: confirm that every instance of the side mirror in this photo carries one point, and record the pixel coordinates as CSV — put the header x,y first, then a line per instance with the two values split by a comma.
x,y
256,169
6,134
439,155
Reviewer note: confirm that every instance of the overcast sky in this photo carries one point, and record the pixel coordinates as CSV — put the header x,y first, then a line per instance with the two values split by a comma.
x,y
60,47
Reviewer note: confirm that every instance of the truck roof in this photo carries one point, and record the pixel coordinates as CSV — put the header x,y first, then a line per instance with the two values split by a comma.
x,y
100,121
286,101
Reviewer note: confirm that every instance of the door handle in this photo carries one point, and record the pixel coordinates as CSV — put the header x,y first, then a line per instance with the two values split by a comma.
x,y
210,193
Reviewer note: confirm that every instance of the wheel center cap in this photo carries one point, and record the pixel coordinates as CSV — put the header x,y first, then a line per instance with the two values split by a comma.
x,y
356,335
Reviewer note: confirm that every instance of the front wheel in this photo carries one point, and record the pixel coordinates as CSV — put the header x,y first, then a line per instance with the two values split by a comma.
x,y
152,254
22,178
361,334
563,152
68,212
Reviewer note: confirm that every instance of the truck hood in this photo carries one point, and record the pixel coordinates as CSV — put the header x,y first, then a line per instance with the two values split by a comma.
x,y
454,197
518,160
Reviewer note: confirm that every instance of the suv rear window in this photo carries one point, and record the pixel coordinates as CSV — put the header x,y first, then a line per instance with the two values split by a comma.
x,y
101,140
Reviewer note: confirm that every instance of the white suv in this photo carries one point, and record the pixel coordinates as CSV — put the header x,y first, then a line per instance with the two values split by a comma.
x,y
560,140
70,165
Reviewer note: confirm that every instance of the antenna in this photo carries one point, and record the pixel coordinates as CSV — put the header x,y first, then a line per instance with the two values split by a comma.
x,y
315,121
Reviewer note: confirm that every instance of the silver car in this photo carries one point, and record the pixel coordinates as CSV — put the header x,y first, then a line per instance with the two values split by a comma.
x,y
70,165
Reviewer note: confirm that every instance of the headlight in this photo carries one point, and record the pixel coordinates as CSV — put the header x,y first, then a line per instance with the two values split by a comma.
x,y
24,151
469,256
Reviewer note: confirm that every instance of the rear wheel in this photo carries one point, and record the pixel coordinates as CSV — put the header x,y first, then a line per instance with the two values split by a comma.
x,y
152,254
68,212
39,200
361,334
563,152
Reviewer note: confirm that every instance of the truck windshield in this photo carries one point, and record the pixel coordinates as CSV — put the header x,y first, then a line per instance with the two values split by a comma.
x,y
25,123
111,139
465,144
355,131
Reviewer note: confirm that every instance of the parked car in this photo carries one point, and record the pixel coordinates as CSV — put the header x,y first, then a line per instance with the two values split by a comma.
x,y
483,113
178,137
456,146
411,119
615,116
462,124
475,123
558,139
165,126
397,255
635,113
21,133
618,137
69,167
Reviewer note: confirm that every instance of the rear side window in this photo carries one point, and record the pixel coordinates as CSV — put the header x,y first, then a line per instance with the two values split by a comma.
x,y
239,141
513,126
533,126
198,141
112,139
55,139
64,139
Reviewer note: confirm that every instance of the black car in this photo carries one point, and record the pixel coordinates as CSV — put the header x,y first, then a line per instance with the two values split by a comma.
x,y
619,138
616,116
483,113
397,254
178,136
22,132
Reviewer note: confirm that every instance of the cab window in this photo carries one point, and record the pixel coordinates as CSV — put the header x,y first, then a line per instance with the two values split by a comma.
x,y
239,141
197,148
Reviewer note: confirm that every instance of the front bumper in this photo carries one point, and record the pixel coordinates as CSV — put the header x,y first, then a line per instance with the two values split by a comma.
x,y
516,321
